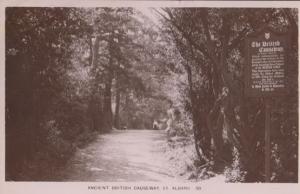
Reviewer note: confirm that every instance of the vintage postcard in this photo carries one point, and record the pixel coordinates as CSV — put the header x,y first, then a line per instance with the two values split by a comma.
x,y
149,97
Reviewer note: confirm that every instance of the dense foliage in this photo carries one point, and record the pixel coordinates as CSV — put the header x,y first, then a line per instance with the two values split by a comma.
x,y
211,43
37,58
66,68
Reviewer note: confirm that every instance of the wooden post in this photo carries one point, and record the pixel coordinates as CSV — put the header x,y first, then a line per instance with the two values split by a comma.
x,y
267,141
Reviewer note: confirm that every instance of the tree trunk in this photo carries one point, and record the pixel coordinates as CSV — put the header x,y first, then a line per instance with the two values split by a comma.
x,y
95,51
107,110
90,42
96,102
117,108
194,116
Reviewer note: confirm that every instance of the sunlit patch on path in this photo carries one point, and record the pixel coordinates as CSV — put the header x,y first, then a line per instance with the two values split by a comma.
x,y
129,155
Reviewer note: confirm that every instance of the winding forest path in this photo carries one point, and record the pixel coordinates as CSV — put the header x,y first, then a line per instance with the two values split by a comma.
x,y
128,155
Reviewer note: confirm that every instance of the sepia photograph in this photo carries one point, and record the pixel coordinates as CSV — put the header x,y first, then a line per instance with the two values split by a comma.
x,y
151,94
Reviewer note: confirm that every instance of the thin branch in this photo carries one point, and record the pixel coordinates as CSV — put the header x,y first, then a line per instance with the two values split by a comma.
x,y
200,47
241,35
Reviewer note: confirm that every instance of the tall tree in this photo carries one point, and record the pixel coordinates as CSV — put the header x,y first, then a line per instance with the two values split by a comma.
x,y
38,56
211,42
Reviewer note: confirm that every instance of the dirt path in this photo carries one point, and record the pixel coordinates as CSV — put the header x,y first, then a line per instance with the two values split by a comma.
x,y
129,155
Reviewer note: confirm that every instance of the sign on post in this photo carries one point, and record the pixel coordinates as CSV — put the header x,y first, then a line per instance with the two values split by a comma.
x,y
265,76
265,71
